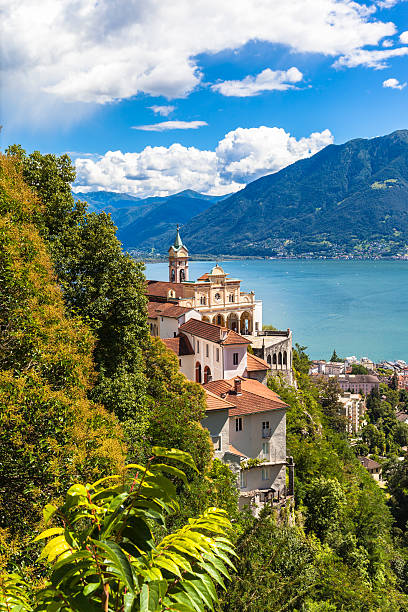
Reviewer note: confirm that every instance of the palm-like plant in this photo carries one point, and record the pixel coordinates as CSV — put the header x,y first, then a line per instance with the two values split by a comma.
x,y
104,554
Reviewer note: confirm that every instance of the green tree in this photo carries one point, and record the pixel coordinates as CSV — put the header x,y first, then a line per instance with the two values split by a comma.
x,y
329,393
357,368
325,502
104,554
50,433
335,358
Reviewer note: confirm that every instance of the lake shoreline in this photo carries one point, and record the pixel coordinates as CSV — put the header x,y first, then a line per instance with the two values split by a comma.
x,y
358,307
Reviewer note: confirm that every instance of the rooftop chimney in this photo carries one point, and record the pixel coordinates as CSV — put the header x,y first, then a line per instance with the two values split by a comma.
x,y
237,386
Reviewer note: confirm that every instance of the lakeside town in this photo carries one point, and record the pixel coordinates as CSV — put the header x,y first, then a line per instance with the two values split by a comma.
x,y
221,342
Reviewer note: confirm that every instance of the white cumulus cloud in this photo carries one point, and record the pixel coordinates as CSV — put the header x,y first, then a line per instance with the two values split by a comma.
x,y
370,58
404,37
164,110
99,51
394,84
241,156
267,80
164,126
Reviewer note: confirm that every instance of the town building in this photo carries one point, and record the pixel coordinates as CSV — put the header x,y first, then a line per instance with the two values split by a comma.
x,y
358,382
209,352
372,467
214,298
353,409
247,425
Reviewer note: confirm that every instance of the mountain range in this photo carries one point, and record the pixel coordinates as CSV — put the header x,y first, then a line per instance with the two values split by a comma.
x,y
346,199
146,222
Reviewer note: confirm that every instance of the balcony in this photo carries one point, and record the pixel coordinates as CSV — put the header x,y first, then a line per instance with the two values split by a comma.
x,y
266,433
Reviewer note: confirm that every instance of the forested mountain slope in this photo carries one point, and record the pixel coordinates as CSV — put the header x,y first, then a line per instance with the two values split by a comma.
x,y
144,221
336,200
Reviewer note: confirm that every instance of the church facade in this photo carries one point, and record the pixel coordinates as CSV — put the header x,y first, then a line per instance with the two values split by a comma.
x,y
215,295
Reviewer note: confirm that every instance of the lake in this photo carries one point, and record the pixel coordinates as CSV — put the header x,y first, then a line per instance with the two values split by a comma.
x,y
357,307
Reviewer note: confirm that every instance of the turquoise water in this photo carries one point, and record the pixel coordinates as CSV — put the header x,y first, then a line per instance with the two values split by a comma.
x,y
357,307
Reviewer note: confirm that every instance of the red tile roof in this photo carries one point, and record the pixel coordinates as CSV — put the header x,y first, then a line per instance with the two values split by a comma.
x,y
165,309
204,277
162,288
256,364
254,397
179,345
213,333
234,451
215,402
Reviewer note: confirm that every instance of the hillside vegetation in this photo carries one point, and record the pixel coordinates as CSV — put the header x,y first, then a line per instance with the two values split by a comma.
x,y
84,390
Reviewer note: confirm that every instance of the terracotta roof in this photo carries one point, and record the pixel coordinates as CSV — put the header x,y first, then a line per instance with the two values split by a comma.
x,y
256,364
203,277
165,309
234,451
179,345
162,288
215,402
254,397
213,333
369,464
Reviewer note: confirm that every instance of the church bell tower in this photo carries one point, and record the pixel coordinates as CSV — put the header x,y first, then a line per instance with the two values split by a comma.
x,y
178,260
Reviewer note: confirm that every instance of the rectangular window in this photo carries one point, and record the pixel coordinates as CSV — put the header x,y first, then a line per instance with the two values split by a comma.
x,y
206,350
265,474
257,326
242,479
235,358
217,354
265,449
198,346
238,424
179,362
265,424
231,297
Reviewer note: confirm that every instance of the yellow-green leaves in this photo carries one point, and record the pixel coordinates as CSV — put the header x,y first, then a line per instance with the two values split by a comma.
x,y
104,553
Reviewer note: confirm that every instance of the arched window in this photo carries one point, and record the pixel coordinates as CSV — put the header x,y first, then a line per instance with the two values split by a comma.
x,y
173,275
280,358
182,276
285,358
274,359
207,374
198,372
268,359
203,300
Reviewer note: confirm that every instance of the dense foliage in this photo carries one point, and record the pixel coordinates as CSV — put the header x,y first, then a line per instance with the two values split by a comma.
x,y
350,198
103,552
50,433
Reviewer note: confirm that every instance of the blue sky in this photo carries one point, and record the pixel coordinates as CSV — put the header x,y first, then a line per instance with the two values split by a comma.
x,y
242,87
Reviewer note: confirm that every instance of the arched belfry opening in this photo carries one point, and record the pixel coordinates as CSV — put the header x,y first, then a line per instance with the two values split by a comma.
x,y
178,260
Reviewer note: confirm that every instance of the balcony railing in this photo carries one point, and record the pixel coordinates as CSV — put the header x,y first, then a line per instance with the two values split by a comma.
x,y
266,433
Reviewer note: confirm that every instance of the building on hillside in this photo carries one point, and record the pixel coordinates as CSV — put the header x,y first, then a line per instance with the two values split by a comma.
x,y
274,347
402,416
165,318
372,467
218,297
353,409
358,382
219,300
214,352
247,425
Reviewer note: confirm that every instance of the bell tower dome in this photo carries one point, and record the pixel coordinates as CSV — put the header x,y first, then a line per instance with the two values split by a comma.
x,y
178,260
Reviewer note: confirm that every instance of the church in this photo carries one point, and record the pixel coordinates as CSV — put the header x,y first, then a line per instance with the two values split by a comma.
x,y
209,324
217,297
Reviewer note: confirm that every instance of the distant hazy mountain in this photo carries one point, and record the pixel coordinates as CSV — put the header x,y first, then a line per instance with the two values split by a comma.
x,y
347,197
146,222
